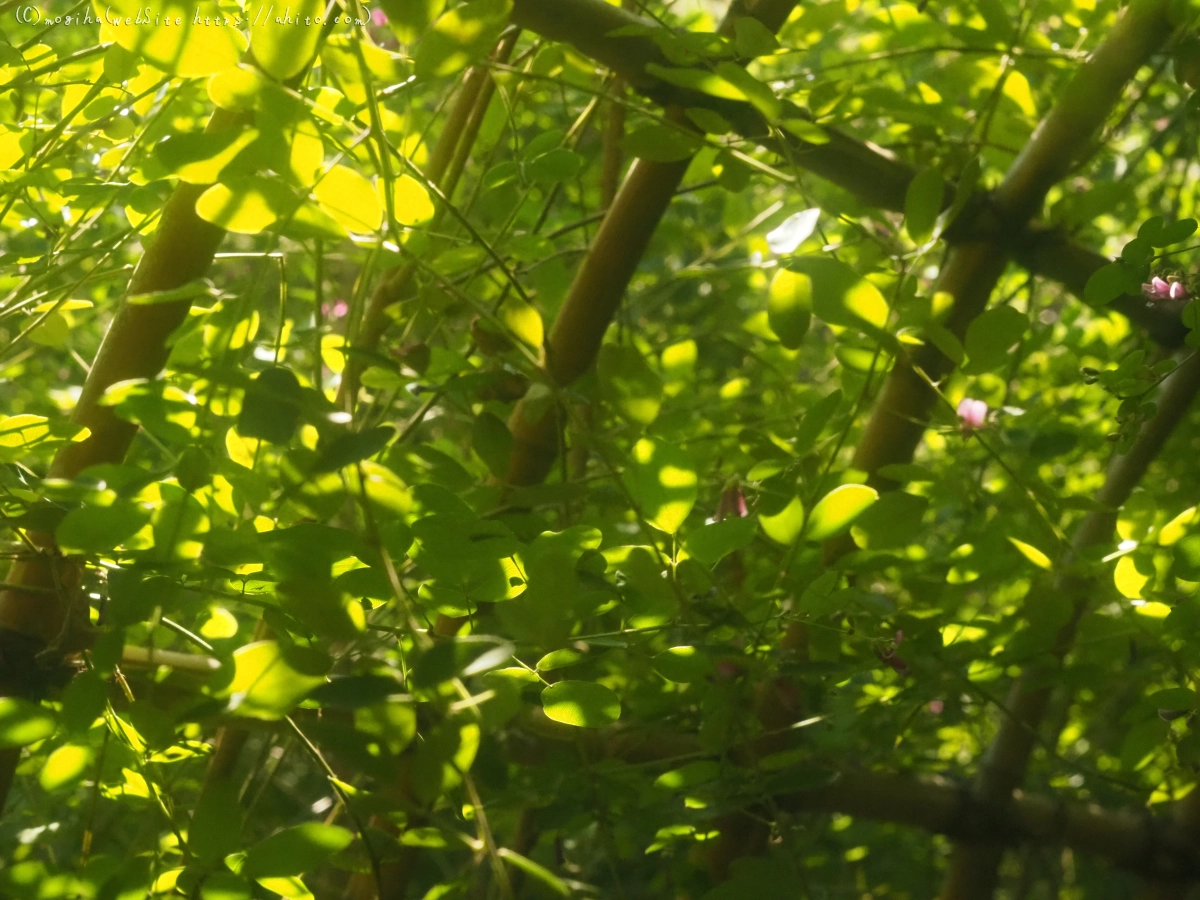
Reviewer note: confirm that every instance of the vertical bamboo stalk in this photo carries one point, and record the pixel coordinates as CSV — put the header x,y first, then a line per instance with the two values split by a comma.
x,y
603,276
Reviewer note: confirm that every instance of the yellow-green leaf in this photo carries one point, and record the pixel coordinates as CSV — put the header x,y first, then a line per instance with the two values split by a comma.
x,y
265,685
629,384
237,88
283,50
1129,581
662,481
411,201
838,509
22,722
1032,553
350,198
246,205
182,39
523,320
784,527
789,307
840,295
583,704
65,766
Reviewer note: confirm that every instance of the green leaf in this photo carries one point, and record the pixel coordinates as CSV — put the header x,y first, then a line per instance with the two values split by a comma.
x,y
1187,558
545,876
661,143
216,828
493,442
893,521
789,307
558,659
225,886
753,38
554,166
581,703
351,447
1175,232
98,529
784,526
271,406
22,722
629,384
712,542
283,51
838,509
1108,283
991,336
662,481
840,295
923,202
393,724
409,18
683,664
702,80
265,685
692,775
295,850
461,37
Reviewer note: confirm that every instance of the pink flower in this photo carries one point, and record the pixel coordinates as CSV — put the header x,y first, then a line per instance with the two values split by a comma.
x,y
1160,289
379,17
972,414
336,309
936,707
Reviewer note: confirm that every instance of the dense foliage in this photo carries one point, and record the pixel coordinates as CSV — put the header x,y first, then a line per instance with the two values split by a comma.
x,y
402,549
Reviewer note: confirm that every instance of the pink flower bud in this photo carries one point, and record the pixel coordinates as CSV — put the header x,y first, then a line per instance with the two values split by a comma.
x,y
1164,289
936,707
379,17
732,503
972,414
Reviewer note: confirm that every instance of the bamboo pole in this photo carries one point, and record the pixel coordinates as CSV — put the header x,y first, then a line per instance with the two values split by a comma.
x,y
872,174
625,232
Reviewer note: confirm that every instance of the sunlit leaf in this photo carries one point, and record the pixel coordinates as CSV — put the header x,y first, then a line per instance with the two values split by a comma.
x,y
581,703
838,509
662,479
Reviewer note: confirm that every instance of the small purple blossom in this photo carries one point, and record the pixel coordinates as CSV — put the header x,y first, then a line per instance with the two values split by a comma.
x,y
972,414
1164,289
